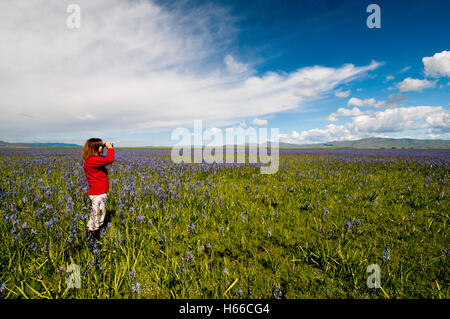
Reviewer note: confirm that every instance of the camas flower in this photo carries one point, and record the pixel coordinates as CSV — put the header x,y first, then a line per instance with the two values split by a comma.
x,y
348,225
131,274
136,287
277,294
386,256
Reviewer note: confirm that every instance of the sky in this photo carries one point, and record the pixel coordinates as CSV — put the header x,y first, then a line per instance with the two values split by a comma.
x,y
134,71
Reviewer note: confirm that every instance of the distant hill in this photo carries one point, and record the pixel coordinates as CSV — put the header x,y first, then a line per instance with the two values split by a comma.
x,y
375,143
38,145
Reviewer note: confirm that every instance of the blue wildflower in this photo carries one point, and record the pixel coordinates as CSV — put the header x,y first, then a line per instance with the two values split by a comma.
x,y
2,287
136,287
139,219
182,269
131,273
277,294
386,256
348,225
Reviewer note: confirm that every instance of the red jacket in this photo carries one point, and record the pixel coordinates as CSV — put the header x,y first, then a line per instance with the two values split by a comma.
x,y
96,173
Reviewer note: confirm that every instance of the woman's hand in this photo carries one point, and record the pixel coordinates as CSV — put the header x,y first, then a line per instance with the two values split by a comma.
x,y
108,145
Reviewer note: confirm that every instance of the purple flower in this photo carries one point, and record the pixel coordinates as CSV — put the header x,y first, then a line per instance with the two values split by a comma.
x,y
2,287
131,274
182,269
239,291
348,225
191,227
277,294
269,233
139,219
447,251
386,256
356,222
136,287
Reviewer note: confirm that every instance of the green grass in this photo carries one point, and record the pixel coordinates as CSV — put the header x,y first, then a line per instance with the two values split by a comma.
x,y
306,205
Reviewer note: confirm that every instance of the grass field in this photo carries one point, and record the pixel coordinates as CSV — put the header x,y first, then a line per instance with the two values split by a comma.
x,y
227,231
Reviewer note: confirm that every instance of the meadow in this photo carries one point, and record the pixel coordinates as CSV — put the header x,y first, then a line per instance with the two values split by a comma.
x,y
227,231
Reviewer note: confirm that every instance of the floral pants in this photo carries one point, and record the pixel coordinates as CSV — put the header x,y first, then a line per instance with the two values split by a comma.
x,y
98,211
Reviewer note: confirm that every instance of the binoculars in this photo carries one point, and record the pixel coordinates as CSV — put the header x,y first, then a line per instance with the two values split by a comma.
x,y
104,145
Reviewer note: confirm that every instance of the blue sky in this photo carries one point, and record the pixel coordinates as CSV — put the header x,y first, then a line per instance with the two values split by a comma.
x,y
135,70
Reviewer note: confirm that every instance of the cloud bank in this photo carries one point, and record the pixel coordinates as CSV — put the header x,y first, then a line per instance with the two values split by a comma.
x,y
137,67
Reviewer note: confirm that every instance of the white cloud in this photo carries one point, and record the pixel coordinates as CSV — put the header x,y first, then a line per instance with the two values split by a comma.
x,y
358,102
332,132
259,122
439,120
233,66
138,65
306,82
307,92
86,117
380,123
342,94
406,68
390,77
437,65
343,112
397,97
410,84
366,102
395,119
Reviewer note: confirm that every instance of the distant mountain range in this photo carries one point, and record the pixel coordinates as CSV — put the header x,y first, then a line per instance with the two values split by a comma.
x,y
37,145
366,143
375,143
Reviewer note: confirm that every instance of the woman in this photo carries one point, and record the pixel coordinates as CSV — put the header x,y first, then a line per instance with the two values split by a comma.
x,y
97,178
